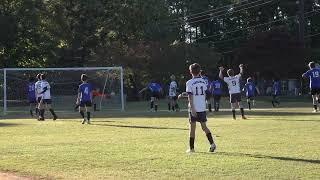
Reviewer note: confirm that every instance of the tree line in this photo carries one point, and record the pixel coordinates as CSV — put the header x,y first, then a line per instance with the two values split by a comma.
x,y
153,39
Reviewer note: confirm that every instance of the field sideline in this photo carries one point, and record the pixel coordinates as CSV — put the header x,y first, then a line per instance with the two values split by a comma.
x,y
281,143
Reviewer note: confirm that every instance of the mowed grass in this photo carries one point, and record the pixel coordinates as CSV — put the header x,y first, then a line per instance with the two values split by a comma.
x,y
281,143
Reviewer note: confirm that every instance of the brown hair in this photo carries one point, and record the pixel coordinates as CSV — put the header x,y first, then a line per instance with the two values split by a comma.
x,y
195,69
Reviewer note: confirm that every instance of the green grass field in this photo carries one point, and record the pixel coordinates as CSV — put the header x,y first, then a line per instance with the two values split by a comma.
x,y
280,143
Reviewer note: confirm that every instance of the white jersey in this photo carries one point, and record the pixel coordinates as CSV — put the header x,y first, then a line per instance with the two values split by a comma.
x,y
197,87
37,86
233,84
46,94
173,89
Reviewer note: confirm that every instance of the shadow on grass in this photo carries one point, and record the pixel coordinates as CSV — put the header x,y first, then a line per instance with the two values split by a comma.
x,y
140,127
259,156
2,124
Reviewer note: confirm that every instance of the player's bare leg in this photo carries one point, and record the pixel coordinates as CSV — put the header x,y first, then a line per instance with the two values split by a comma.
x,y
81,111
192,135
49,107
249,103
152,103
88,110
241,110
233,108
41,111
209,136
315,103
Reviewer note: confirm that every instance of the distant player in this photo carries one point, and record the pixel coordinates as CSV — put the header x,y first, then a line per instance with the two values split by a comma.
x,y
85,98
173,94
31,93
250,89
45,102
206,79
155,90
275,93
196,89
233,82
216,92
314,75
38,93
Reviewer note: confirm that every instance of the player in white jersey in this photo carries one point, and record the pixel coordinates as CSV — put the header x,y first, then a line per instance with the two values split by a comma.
x,y
233,82
196,88
173,94
37,86
46,101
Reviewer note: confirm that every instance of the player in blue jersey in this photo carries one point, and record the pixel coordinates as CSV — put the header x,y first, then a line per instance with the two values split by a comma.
x,y
314,75
275,93
250,89
216,91
31,94
85,98
155,90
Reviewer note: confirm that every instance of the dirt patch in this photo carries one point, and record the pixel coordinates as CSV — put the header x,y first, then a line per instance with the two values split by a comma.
x,y
9,176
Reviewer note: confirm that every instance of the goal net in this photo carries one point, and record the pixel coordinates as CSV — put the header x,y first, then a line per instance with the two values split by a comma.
x,y
107,85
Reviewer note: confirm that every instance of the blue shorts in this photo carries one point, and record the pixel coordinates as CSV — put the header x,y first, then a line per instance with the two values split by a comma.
x,y
201,117
85,104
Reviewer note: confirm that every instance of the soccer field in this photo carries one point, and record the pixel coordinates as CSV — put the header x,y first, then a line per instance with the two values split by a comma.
x,y
280,143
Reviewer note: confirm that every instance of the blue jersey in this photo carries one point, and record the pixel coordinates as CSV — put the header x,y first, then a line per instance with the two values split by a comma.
x,y
85,90
250,89
154,87
275,88
314,76
216,87
31,91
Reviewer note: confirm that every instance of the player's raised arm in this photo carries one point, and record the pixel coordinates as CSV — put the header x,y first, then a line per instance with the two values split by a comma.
x,y
221,72
241,69
142,90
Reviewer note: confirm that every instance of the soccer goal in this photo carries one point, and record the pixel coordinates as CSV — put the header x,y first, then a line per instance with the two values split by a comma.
x,y
107,85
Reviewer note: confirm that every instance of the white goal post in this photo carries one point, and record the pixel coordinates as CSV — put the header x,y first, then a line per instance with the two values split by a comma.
x,y
107,83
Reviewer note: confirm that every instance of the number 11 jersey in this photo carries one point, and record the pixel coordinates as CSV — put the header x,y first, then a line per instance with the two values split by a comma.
x,y
197,87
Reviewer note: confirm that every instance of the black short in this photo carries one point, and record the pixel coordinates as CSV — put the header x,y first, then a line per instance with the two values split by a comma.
x,y
201,117
85,104
274,96
216,97
47,101
173,98
155,94
234,98
39,99
315,91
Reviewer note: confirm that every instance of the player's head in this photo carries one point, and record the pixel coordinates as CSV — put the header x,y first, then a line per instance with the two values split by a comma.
x,y
31,79
249,79
43,77
173,77
84,77
38,76
312,65
195,69
230,72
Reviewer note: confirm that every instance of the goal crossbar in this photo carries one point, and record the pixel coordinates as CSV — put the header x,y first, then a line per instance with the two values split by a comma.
x,y
6,70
